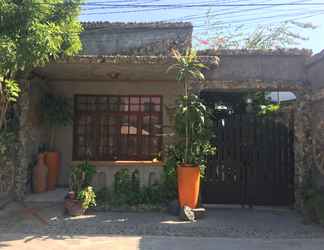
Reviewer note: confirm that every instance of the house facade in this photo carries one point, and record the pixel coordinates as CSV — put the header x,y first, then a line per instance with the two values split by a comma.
x,y
123,98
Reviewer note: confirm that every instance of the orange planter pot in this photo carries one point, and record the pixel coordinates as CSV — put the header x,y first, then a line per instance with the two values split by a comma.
x,y
40,175
52,160
188,185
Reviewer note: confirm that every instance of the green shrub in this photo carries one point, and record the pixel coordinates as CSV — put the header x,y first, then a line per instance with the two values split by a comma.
x,y
81,176
314,205
80,180
87,197
127,191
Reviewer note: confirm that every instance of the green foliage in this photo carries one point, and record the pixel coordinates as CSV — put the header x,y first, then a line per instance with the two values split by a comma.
x,y
280,36
314,205
262,104
269,36
198,132
191,115
33,33
81,176
128,192
187,66
313,199
9,92
269,109
87,197
56,112
7,139
169,173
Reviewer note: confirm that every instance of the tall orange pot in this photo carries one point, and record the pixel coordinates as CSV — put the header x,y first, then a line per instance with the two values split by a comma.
x,y
52,160
188,185
40,175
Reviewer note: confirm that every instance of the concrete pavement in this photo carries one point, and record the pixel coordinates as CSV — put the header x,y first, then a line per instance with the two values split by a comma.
x,y
25,242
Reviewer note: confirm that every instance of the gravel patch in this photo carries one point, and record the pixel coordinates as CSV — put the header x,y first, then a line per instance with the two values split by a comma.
x,y
219,222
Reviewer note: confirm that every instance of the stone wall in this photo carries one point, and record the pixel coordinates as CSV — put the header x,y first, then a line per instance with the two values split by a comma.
x,y
7,172
29,137
104,38
315,75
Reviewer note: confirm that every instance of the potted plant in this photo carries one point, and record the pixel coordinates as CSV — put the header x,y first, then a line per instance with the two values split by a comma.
x,y
192,127
56,112
82,196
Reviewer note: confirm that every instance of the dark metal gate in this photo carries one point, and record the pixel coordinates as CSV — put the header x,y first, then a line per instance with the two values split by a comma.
x,y
254,163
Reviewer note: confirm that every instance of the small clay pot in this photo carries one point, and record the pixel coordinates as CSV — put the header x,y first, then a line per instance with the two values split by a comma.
x,y
71,195
73,207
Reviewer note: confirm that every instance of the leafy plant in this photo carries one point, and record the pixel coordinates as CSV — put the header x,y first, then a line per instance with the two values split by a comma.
x,y
268,36
31,35
198,131
56,112
192,120
313,199
81,176
127,191
187,67
9,92
87,197
7,138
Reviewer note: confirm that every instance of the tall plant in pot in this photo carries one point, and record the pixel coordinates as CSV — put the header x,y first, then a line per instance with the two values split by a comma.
x,y
56,112
192,130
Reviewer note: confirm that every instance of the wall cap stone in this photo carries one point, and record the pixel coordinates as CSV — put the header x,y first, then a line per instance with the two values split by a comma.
x,y
135,25
125,59
256,52
315,58
257,84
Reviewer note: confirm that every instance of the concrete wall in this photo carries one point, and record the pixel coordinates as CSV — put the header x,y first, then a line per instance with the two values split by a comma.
x,y
265,67
134,38
64,140
315,74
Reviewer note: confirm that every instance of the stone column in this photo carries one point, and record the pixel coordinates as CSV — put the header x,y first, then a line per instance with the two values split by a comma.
x,y
23,141
302,142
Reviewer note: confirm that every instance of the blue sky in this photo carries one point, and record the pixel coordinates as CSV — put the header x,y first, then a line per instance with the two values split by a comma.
x,y
242,18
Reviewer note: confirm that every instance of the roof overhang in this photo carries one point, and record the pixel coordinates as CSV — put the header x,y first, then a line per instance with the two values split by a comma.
x,y
114,68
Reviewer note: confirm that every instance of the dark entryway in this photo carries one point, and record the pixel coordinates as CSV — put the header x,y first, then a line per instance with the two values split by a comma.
x,y
254,163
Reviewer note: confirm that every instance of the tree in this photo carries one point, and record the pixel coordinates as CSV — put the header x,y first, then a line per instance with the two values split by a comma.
x,y
269,36
33,33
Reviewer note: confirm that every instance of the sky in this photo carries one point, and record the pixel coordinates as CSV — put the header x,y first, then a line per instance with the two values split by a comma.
x,y
221,18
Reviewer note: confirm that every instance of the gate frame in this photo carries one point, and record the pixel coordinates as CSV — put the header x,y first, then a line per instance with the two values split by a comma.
x,y
303,142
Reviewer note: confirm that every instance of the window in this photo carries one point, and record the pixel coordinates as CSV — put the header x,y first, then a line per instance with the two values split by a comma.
x,y
117,127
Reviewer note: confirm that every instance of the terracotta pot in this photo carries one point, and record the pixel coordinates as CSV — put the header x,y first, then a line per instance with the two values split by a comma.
x,y
71,195
40,172
73,207
188,185
52,160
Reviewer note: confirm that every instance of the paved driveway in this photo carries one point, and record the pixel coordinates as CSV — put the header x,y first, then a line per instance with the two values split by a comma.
x,y
89,242
43,226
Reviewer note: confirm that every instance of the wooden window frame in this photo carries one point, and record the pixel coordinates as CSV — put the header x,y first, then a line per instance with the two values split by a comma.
x,y
99,114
